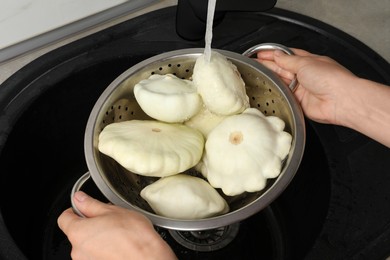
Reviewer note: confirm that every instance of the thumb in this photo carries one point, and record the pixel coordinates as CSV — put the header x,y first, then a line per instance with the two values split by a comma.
x,y
89,206
287,62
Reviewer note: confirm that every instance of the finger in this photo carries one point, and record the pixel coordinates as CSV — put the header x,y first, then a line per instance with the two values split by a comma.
x,y
292,63
89,206
286,75
301,52
66,218
269,54
265,55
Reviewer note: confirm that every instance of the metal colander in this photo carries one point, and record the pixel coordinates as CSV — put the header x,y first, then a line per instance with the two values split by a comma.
x,y
117,103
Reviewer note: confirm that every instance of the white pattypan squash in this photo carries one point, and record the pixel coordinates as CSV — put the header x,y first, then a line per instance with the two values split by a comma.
x,y
167,98
184,197
220,84
243,151
152,148
204,121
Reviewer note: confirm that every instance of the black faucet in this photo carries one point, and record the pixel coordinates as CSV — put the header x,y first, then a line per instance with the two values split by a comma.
x,y
191,15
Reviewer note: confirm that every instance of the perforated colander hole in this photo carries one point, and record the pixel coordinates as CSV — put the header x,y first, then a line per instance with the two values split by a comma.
x,y
120,108
117,113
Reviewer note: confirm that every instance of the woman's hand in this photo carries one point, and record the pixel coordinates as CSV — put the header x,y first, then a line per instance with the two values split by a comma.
x,y
111,232
329,93
321,81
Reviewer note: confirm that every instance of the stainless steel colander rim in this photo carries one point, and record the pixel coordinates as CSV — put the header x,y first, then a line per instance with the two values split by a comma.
x,y
264,200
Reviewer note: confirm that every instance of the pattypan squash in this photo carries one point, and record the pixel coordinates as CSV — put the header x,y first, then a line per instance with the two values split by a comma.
x,y
204,121
152,148
243,151
220,85
167,98
183,196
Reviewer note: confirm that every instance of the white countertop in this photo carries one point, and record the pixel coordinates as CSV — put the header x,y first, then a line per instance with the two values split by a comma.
x,y
23,19
27,25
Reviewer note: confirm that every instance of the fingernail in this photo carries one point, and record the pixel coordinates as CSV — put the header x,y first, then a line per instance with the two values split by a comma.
x,y
279,53
80,196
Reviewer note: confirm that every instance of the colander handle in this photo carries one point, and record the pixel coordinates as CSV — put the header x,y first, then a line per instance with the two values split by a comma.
x,y
76,187
272,46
